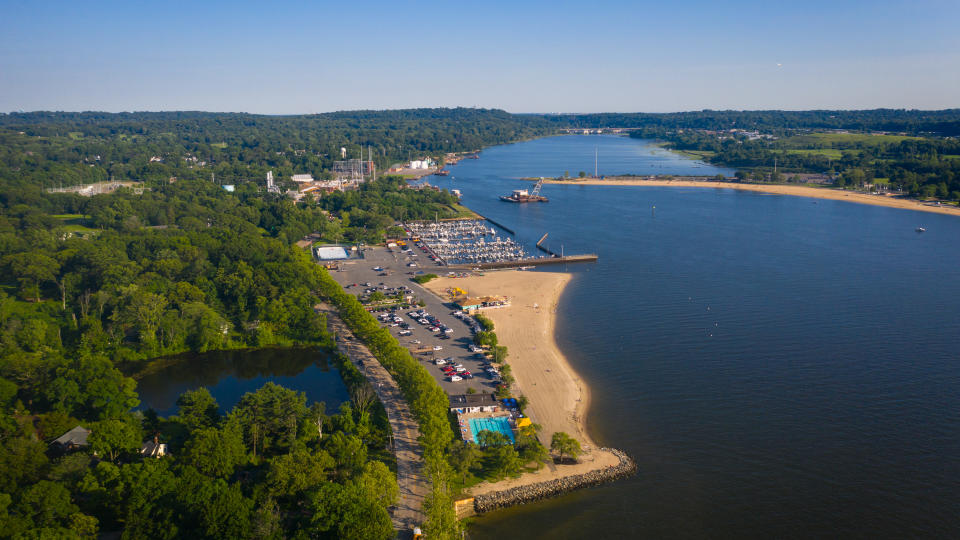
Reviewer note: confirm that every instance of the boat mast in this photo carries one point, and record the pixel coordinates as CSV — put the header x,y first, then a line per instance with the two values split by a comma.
x,y
596,161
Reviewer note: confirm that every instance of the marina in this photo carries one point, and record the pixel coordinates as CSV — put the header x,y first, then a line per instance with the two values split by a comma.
x,y
465,242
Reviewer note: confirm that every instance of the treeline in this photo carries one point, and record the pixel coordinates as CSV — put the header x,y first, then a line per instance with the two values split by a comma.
x,y
428,403
914,122
57,148
920,167
272,467
219,272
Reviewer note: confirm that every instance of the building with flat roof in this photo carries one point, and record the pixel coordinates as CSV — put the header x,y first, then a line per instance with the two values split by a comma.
x,y
469,304
473,403
302,178
331,253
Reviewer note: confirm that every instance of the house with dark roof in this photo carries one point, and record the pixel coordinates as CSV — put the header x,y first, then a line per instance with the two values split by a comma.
x,y
471,403
73,439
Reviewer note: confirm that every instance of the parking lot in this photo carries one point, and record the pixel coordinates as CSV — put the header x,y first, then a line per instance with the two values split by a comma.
x,y
425,334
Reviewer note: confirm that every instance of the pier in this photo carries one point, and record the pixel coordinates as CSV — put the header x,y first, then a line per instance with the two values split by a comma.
x,y
508,229
540,261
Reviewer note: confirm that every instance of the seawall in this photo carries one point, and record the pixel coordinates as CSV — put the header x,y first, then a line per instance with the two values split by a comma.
x,y
552,488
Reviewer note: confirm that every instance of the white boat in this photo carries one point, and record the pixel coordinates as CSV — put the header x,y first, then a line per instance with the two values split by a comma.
x,y
921,229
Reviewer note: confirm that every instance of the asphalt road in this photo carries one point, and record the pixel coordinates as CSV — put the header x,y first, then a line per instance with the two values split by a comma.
x,y
413,484
360,271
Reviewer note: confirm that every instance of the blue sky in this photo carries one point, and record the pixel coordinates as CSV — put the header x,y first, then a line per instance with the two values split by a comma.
x,y
304,57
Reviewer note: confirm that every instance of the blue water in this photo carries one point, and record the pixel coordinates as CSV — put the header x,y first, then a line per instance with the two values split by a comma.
x,y
228,375
779,367
497,424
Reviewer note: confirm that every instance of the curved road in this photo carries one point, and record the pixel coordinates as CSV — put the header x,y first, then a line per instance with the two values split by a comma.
x,y
413,484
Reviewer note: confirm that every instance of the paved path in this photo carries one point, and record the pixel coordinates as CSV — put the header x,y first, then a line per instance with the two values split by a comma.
x,y
413,484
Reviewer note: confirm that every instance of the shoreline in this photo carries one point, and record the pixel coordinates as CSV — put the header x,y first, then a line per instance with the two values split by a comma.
x,y
776,189
559,399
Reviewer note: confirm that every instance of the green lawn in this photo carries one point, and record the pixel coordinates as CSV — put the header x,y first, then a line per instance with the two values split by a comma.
x,y
75,223
831,153
80,229
809,139
463,212
696,154
219,145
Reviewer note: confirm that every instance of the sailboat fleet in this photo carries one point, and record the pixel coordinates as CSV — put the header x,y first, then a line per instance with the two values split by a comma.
x,y
465,241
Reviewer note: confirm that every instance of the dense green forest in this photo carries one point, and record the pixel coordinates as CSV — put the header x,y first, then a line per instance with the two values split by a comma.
x,y
273,467
48,148
182,266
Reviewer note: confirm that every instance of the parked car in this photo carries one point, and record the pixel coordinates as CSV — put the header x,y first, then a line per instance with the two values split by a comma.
x,y
437,348
455,378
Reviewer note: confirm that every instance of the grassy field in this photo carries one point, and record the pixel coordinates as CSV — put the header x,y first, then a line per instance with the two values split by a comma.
x,y
219,145
75,223
80,229
696,154
842,139
464,212
831,153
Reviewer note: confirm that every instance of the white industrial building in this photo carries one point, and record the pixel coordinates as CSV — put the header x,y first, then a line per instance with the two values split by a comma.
x,y
421,164
302,178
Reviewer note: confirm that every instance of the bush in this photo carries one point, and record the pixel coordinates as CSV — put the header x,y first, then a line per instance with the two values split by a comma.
x,y
424,278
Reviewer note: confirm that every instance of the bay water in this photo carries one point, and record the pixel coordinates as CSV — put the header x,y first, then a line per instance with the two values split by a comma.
x,y
779,367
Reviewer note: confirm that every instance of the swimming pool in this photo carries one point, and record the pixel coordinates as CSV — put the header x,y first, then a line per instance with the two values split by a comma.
x,y
497,424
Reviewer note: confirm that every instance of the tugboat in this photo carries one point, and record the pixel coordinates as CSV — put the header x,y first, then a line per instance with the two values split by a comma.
x,y
523,196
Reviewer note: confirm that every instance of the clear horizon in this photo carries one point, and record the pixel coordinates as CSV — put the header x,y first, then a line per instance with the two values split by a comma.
x,y
556,57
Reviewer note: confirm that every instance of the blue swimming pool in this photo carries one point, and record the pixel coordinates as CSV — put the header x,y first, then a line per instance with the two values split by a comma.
x,y
499,424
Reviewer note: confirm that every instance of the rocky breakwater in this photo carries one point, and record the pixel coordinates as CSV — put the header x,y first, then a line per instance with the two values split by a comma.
x,y
552,488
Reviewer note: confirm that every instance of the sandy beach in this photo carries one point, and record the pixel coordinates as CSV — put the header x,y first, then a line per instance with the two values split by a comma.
x,y
558,397
778,189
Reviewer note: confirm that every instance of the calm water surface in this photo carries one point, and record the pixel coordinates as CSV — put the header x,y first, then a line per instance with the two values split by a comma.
x,y
230,374
780,367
